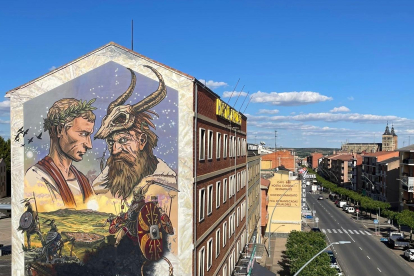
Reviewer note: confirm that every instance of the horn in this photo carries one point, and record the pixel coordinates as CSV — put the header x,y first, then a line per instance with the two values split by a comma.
x,y
155,98
121,99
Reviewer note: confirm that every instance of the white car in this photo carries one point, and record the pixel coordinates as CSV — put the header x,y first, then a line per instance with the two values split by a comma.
x,y
351,210
409,254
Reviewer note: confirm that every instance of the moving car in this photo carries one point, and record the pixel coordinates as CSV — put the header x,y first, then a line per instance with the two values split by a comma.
x,y
409,255
320,197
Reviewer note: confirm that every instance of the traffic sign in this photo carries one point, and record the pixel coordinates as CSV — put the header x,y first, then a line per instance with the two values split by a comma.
x,y
375,221
357,210
316,219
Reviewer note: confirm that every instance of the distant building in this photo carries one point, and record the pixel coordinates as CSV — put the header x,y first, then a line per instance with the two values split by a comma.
x,y
389,140
279,158
356,172
264,187
312,160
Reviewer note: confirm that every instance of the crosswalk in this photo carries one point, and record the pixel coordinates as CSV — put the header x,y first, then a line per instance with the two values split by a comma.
x,y
346,231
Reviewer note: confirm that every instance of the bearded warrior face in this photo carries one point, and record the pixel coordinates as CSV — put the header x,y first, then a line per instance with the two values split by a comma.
x,y
121,117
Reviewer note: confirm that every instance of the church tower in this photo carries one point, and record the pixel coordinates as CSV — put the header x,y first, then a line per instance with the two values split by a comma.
x,y
389,139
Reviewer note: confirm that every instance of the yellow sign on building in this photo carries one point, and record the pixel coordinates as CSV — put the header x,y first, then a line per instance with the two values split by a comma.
x,y
285,195
225,111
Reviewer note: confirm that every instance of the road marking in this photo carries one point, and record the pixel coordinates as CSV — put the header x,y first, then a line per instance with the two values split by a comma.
x,y
334,231
345,231
368,233
356,232
360,248
350,231
329,231
368,257
339,230
362,232
379,269
324,231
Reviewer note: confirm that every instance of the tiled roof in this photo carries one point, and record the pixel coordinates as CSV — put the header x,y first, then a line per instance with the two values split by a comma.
x,y
389,160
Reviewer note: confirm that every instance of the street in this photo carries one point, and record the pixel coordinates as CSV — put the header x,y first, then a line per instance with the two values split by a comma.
x,y
365,255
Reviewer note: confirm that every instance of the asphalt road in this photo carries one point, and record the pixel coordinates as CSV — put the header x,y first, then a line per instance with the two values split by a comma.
x,y
365,255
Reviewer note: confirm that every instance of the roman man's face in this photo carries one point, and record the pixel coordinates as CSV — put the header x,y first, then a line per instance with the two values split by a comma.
x,y
75,139
127,163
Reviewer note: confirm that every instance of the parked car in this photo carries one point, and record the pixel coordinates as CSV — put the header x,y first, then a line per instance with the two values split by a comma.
x,y
409,254
316,229
332,256
320,198
396,239
345,207
351,210
341,204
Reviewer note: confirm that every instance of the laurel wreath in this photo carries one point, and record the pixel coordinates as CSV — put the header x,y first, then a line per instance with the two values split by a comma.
x,y
73,111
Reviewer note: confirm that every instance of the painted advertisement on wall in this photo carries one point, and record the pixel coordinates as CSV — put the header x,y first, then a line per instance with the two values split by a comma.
x,y
101,181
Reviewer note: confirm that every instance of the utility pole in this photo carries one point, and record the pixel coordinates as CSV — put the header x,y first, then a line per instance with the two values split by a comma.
x,y
275,147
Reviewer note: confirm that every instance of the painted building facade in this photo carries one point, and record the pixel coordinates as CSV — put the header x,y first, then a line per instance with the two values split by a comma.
x,y
105,167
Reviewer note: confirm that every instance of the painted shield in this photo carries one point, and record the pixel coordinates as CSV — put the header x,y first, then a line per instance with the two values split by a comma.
x,y
26,220
149,231
166,224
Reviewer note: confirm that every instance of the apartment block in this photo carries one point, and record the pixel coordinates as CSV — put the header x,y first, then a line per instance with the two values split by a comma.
x,y
285,158
313,160
406,176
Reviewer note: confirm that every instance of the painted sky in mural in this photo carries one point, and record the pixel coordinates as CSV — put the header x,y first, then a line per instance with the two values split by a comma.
x,y
104,83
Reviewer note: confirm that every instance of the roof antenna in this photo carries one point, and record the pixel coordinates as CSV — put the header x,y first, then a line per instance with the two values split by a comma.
x,y
244,101
248,103
233,91
132,34
238,96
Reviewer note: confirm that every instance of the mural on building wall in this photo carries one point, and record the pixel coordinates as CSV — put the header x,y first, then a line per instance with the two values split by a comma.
x,y
100,189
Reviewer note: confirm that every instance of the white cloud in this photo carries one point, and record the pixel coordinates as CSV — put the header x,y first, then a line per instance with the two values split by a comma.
x,y
213,84
268,111
52,68
289,98
5,105
292,113
340,109
351,98
4,122
228,94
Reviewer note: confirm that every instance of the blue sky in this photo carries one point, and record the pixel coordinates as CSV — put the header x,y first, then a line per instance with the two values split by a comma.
x,y
320,72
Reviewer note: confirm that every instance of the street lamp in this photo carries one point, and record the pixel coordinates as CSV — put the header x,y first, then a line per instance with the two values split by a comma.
x,y
320,252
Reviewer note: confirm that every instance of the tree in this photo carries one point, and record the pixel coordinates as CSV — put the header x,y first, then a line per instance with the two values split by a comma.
x,y
406,217
301,247
5,154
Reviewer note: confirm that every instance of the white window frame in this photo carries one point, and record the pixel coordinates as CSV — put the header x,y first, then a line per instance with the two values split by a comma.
x,y
218,238
238,216
225,146
238,181
218,198
218,145
210,141
225,189
233,219
210,192
201,261
225,270
234,184
202,144
209,253
234,146
238,146
224,233
230,146
201,204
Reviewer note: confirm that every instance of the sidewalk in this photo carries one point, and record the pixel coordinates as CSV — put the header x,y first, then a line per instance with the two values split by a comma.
x,y
276,262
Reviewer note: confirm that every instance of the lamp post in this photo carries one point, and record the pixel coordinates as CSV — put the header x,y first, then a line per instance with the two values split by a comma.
x,y
320,252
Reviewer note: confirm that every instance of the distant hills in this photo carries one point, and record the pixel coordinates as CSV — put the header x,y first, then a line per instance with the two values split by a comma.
x,y
303,152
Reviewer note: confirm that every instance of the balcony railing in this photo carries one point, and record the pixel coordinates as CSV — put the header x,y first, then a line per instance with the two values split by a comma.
x,y
408,161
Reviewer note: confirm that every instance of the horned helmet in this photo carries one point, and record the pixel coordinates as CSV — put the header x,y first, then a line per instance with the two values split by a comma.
x,y
120,116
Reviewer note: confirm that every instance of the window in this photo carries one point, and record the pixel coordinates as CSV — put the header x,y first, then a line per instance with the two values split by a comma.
x,y
218,199
217,243
225,146
224,233
218,145
230,230
238,250
231,146
209,253
202,145
224,190
238,146
238,181
201,260
201,202
234,184
209,199
234,146
210,144
225,270
238,216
